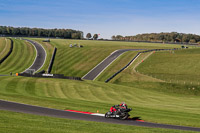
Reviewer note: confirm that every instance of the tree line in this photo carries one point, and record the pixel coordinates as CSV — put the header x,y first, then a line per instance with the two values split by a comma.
x,y
161,37
40,32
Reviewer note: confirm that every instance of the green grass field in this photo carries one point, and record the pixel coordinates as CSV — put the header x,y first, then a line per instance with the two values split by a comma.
x,y
151,105
4,47
147,91
26,123
20,59
182,66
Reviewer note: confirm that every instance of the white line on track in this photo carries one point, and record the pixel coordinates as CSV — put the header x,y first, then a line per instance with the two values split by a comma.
x,y
108,65
98,114
99,64
35,56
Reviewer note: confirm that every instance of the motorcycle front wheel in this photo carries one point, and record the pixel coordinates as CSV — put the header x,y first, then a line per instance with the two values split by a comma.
x,y
106,115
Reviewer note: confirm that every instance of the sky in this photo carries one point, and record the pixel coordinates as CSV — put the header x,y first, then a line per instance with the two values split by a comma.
x,y
104,17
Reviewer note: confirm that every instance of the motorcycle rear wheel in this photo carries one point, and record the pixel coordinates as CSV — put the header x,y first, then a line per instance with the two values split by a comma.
x,y
124,117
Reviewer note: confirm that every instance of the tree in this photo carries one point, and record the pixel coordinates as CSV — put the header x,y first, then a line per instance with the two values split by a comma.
x,y
113,38
95,36
119,37
39,32
88,36
76,35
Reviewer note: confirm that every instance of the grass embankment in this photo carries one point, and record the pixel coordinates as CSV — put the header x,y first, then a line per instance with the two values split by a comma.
x,y
131,75
78,61
133,78
49,51
5,45
20,59
23,123
180,66
151,105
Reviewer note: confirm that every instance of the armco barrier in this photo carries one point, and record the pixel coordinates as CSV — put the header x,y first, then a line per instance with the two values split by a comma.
x,y
9,52
106,81
52,60
39,75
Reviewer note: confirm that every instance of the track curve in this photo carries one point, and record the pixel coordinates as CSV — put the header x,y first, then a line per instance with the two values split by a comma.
x,y
40,57
30,109
92,74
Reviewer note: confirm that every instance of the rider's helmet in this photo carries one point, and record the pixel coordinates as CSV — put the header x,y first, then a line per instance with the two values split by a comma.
x,y
123,104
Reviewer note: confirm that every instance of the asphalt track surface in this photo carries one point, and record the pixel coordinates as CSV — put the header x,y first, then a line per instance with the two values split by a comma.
x,y
40,57
36,110
91,75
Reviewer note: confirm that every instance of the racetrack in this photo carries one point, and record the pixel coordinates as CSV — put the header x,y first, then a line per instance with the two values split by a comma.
x,y
91,75
40,57
23,108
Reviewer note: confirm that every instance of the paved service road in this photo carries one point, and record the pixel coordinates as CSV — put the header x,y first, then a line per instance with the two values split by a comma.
x,y
91,75
23,108
40,57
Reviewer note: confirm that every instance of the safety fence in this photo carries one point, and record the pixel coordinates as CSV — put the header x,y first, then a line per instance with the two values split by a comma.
x,y
52,60
40,75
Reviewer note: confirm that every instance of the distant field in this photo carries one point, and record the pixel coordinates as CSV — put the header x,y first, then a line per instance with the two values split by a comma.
x,y
20,59
154,105
182,66
23,123
4,47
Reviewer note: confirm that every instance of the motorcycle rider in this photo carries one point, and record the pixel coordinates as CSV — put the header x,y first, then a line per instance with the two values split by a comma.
x,y
113,109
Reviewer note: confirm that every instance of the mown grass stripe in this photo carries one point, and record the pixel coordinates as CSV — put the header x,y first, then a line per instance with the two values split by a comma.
x,y
20,58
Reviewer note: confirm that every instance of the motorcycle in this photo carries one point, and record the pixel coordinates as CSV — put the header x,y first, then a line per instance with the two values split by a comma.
x,y
121,113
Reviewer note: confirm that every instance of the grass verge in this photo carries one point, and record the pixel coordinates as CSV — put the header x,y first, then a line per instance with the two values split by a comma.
x,y
27,123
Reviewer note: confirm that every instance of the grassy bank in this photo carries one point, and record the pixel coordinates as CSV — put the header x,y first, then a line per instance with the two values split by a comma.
x,y
181,66
151,105
20,59
5,45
